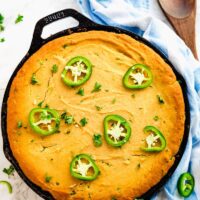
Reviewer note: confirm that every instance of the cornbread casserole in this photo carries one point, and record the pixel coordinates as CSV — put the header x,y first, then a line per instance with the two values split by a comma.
x,y
133,154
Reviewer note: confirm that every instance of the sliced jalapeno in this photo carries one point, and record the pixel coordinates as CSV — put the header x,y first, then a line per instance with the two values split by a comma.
x,y
83,167
44,121
77,71
185,184
137,77
117,130
7,184
155,140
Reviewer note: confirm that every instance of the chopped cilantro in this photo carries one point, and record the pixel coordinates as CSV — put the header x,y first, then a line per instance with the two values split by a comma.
x,y
58,131
1,18
63,115
114,100
98,108
83,121
41,62
97,87
68,132
19,19
2,28
2,40
138,165
180,82
67,118
133,95
172,158
33,79
156,118
9,171
80,92
48,178
54,68
160,99
19,124
97,140
64,46
73,192
40,104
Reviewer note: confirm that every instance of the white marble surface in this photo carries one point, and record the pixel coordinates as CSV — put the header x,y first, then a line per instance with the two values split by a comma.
x,y
18,38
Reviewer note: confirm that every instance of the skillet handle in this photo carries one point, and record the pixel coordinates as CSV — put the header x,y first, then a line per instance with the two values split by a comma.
x,y
38,40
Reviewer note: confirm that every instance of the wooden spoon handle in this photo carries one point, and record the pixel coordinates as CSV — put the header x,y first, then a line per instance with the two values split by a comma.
x,y
185,28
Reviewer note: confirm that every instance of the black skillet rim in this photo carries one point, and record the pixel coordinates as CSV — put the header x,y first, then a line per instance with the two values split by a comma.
x,y
85,25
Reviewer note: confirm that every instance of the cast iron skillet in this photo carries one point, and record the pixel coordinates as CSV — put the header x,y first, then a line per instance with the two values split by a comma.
x,y
84,25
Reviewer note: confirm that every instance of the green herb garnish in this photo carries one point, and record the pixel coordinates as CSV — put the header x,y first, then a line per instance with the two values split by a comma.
x,y
54,68
41,62
97,140
114,101
2,40
33,79
68,132
63,115
133,95
19,19
9,171
83,121
1,18
67,118
40,104
98,108
19,124
179,81
156,118
138,165
160,99
2,28
64,46
97,87
73,192
80,92
48,178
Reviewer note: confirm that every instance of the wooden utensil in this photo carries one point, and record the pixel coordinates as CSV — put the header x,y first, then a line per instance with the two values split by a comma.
x,y
182,16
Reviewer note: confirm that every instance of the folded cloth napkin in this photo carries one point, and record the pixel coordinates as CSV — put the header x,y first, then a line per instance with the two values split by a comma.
x,y
134,15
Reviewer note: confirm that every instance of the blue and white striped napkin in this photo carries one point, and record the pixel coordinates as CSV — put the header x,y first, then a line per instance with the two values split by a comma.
x,y
133,15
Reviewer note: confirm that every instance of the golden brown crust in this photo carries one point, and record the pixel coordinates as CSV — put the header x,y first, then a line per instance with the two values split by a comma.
x,y
111,54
